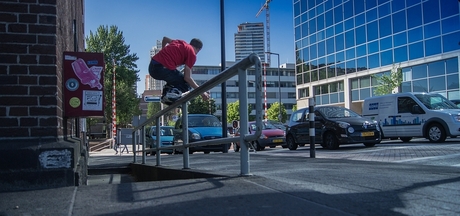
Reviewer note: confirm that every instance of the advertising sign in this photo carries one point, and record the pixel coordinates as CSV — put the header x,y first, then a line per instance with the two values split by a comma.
x,y
83,84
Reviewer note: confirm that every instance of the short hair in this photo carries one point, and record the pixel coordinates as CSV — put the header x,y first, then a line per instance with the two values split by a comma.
x,y
195,42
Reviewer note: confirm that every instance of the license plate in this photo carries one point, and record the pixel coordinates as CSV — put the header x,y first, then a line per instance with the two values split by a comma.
x,y
277,140
371,133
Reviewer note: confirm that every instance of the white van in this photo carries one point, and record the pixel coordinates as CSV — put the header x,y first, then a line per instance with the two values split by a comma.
x,y
414,114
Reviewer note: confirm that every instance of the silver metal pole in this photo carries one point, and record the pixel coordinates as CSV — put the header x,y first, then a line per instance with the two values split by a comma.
x,y
185,152
279,85
158,141
142,139
244,145
279,82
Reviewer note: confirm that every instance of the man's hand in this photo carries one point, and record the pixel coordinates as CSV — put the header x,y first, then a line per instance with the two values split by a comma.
x,y
205,96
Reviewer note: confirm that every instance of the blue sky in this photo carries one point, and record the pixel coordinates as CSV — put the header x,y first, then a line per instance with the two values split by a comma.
x,y
145,21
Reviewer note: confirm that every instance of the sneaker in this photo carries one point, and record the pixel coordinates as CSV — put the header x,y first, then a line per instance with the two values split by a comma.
x,y
185,93
170,95
163,100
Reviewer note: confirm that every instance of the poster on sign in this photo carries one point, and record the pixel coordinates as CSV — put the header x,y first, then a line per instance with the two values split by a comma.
x,y
83,84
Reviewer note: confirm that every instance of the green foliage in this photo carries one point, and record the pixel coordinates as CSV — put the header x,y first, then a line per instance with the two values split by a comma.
x,y
294,108
171,123
199,106
153,108
274,111
388,82
233,111
111,43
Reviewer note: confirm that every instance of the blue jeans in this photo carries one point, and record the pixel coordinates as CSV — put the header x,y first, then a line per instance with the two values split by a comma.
x,y
172,77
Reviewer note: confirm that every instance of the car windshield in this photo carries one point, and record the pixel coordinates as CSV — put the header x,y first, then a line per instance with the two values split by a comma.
x,y
167,131
276,124
435,101
265,126
336,112
206,121
164,131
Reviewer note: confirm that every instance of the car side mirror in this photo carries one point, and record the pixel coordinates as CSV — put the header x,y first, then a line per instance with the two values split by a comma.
x,y
318,118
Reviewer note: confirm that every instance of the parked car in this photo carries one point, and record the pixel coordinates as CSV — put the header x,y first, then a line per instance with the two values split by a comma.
x,y
277,124
271,136
334,126
201,127
456,102
166,138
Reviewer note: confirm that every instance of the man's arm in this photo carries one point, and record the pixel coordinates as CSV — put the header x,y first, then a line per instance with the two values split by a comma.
x,y
165,41
188,78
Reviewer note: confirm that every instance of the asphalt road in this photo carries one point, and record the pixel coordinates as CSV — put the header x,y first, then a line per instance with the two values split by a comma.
x,y
418,151
392,178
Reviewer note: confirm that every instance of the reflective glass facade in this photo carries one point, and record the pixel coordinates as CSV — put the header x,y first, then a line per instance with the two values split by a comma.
x,y
342,40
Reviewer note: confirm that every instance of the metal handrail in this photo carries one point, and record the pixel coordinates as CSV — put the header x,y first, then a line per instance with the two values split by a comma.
x,y
237,69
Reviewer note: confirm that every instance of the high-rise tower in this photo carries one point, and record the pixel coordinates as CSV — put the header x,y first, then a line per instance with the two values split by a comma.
x,y
250,39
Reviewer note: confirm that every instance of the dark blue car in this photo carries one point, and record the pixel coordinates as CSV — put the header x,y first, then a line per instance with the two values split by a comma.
x,y
334,126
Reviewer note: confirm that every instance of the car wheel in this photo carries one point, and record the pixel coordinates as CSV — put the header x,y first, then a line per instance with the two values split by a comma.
x,y
405,139
369,144
225,148
291,143
236,148
436,133
330,141
258,146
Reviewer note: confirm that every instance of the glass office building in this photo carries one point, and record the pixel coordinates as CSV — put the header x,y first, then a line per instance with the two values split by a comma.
x,y
341,45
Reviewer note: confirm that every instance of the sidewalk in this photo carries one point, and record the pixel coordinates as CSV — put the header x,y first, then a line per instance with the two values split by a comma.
x,y
278,186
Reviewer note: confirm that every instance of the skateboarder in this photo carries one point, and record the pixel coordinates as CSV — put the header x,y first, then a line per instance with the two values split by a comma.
x,y
163,66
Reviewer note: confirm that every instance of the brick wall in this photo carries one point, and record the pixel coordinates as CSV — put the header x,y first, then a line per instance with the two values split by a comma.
x,y
33,36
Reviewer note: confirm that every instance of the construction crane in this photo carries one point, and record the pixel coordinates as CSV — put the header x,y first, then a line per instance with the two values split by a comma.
x,y
267,21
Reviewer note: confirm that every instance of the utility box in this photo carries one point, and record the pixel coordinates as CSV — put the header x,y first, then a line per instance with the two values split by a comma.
x,y
125,136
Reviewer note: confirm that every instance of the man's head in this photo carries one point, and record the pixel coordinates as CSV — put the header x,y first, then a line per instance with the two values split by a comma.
x,y
195,42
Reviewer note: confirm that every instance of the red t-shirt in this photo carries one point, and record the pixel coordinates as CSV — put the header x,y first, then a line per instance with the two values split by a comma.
x,y
176,53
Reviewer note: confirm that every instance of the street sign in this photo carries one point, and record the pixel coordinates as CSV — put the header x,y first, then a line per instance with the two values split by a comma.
x,y
152,99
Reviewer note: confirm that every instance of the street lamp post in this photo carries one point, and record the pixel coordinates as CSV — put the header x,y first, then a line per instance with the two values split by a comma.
x,y
279,81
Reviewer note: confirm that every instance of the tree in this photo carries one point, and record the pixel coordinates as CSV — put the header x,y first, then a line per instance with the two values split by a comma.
x,y
153,108
111,43
294,108
233,111
199,106
274,111
389,83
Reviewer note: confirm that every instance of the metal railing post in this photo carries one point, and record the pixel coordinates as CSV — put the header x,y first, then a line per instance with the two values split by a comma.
x,y
141,138
243,109
157,142
185,151
133,140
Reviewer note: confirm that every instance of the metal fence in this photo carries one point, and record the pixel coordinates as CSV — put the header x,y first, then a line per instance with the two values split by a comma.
x,y
237,69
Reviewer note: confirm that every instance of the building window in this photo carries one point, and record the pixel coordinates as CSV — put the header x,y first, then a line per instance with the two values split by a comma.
x,y
304,93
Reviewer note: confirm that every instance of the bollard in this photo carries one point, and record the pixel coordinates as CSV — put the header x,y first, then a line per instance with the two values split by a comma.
x,y
311,115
